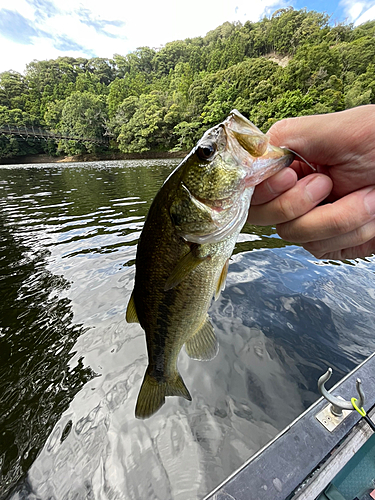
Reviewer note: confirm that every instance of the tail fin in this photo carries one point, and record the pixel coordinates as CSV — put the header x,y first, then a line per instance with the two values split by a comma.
x,y
152,394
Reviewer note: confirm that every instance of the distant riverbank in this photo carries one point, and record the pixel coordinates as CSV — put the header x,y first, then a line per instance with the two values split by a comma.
x,y
43,158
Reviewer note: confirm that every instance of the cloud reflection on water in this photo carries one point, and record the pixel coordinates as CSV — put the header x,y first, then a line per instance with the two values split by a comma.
x,y
282,319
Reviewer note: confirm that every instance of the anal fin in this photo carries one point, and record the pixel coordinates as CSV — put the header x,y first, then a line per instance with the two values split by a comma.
x,y
131,313
203,345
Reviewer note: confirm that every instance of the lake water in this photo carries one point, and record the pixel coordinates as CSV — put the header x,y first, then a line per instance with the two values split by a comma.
x,y
71,367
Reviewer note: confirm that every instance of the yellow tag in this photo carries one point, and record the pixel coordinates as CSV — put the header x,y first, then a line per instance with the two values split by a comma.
x,y
361,411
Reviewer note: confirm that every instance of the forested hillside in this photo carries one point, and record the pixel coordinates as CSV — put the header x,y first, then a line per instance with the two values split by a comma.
x,y
294,63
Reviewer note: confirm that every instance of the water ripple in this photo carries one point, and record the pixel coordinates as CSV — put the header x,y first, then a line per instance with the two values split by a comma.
x,y
71,367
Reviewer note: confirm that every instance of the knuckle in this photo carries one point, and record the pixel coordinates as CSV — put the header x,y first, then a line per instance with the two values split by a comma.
x,y
358,236
315,249
288,129
365,233
279,130
255,215
341,224
285,209
285,231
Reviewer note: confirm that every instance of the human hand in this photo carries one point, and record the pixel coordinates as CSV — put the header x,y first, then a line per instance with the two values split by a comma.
x,y
341,146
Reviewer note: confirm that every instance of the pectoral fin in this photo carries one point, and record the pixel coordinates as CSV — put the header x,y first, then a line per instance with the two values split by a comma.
x,y
187,264
203,345
221,282
131,313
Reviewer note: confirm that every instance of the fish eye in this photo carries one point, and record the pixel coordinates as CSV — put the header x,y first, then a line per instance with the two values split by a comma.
x,y
206,152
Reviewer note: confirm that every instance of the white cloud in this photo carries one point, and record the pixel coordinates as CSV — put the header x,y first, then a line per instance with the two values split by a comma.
x,y
147,23
359,12
367,15
20,6
16,56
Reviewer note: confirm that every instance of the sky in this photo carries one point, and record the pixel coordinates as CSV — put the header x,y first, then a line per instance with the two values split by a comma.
x,y
47,29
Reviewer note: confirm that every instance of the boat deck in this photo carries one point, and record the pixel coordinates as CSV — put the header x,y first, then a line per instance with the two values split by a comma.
x,y
304,458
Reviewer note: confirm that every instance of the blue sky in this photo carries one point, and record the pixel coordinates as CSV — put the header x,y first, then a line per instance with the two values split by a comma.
x,y
47,29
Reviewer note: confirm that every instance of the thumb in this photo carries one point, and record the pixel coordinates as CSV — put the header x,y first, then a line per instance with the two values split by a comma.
x,y
328,139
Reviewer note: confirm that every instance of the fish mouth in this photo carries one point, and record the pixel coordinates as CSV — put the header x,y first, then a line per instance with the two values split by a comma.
x,y
267,165
252,149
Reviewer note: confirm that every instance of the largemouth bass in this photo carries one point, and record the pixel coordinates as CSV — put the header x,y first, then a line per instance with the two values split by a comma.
x,y
184,249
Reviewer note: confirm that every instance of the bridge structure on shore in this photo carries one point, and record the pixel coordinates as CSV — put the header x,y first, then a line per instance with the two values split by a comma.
x,y
33,132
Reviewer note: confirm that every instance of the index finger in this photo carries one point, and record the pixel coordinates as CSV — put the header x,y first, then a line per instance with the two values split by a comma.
x,y
274,186
334,219
293,203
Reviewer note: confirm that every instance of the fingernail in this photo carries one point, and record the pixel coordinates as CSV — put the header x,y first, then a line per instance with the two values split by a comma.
x,y
282,181
369,202
316,189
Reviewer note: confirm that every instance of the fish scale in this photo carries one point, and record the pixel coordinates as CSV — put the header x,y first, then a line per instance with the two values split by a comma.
x,y
183,251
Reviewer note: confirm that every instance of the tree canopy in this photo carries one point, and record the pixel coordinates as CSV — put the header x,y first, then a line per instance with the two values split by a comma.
x,y
293,63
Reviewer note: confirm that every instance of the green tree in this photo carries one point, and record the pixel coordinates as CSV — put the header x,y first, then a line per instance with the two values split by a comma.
x,y
13,90
139,61
11,145
357,95
83,115
132,84
162,99
187,134
103,69
53,113
146,128
172,53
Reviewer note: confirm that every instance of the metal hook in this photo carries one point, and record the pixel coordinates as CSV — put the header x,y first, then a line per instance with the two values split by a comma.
x,y
299,156
337,404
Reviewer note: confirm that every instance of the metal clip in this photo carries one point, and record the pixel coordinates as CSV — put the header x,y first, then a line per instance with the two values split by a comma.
x,y
338,404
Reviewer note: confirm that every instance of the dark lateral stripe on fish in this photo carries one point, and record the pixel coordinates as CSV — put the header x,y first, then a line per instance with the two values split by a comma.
x,y
162,322
171,293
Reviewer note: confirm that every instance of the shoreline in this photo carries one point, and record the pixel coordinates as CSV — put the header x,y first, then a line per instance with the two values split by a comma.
x,y
44,158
